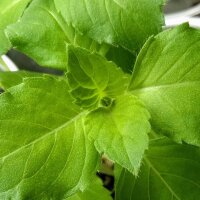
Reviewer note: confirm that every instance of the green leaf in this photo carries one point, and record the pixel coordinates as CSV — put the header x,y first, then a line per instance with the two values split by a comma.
x,y
92,78
120,131
166,78
5,43
42,34
127,23
94,192
169,171
10,12
10,79
44,152
123,58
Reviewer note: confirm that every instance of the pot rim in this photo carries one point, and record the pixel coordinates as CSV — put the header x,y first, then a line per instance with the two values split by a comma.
x,y
187,15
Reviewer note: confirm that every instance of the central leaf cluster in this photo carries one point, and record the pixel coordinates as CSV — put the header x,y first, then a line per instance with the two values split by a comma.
x,y
107,102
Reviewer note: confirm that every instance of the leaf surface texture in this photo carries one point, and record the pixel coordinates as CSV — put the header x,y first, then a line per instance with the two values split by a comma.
x,y
10,12
121,131
42,139
169,171
117,22
9,79
167,79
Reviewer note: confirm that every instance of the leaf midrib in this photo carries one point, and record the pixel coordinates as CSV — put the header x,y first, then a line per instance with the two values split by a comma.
x,y
157,87
58,22
45,135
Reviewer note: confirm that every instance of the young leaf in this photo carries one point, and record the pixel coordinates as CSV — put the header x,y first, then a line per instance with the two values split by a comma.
x,y
94,192
10,12
44,152
120,131
91,77
10,79
167,78
114,21
169,171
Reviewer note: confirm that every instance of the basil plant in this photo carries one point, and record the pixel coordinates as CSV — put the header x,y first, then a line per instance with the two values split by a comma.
x,y
128,90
